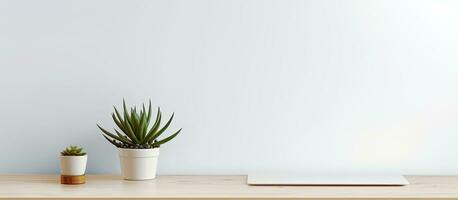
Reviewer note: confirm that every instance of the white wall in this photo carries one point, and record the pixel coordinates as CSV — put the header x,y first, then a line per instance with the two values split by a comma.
x,y
319,85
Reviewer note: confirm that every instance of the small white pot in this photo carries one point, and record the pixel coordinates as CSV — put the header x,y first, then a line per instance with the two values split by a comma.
x,y
73,165
138,164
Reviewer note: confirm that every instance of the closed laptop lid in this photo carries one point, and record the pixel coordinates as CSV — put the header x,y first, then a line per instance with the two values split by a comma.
x,y
320,179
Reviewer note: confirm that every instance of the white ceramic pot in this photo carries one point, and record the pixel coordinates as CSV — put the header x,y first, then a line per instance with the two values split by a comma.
x,y
73,165
138,164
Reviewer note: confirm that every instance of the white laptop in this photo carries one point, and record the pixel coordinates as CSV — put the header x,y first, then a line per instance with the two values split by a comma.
x,y
316,179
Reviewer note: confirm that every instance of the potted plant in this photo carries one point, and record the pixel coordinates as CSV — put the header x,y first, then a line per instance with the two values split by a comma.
x,y
138,140
73,165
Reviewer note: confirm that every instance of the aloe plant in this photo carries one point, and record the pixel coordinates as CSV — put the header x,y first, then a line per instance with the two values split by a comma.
x,y
136,130
73,151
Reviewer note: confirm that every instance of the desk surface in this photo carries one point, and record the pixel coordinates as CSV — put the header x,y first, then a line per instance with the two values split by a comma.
x,y
214,187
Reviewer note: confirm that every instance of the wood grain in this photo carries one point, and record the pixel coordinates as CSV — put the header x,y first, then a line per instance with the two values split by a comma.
x,y
214,187
72,180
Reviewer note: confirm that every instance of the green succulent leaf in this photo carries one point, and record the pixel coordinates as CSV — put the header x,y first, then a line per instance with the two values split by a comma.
x,y
73,151
134,120
113,142
154,128
126,113
158,143
156,135
142,126
113,135
130,133
117,122
148,118
127,140
135,130
118,115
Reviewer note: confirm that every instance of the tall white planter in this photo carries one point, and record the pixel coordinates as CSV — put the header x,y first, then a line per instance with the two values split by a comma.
x,y
73,165
138,164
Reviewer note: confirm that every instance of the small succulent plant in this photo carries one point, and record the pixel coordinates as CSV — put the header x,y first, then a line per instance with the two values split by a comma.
x,y
135,131
73,151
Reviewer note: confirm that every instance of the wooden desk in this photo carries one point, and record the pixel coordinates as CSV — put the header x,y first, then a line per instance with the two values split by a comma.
x,y
214,187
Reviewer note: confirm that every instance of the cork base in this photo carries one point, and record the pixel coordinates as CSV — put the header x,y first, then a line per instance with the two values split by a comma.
x,y
72,180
